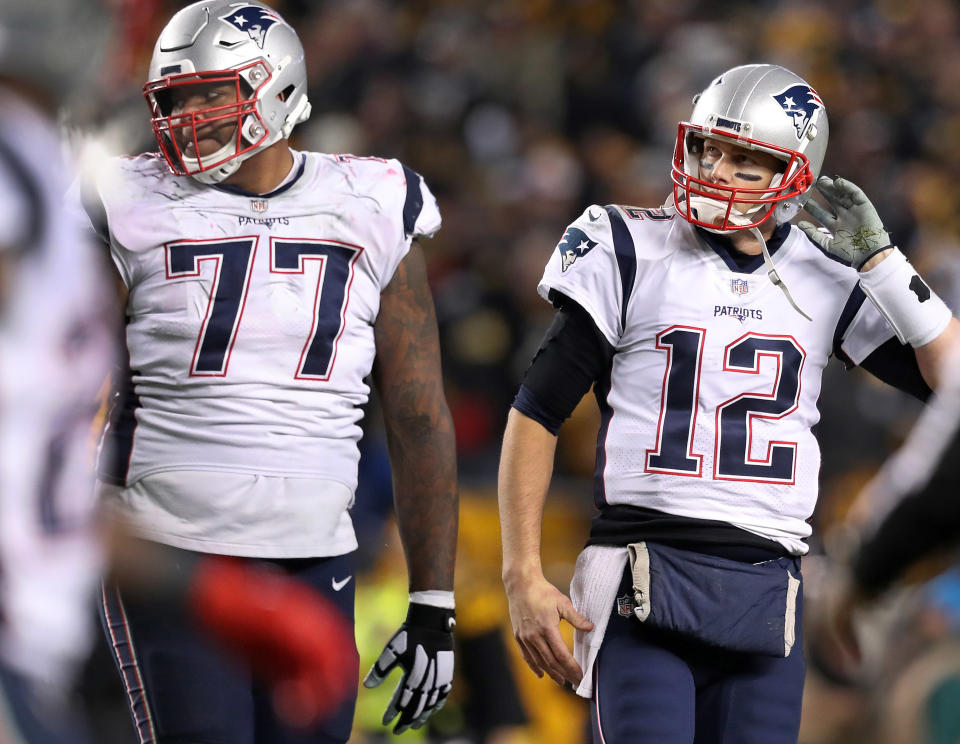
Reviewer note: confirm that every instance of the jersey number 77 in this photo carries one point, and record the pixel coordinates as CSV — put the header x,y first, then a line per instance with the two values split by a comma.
x,y
233,263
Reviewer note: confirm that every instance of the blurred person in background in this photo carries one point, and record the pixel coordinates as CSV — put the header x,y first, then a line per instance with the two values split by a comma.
x,y
906,515
263,285
57,331
56,346
687,600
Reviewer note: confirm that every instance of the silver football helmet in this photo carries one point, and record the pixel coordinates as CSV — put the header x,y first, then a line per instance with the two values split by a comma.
x,y
242,43
759,107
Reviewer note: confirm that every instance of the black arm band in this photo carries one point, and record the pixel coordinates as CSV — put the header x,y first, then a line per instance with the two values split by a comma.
x,y
572,356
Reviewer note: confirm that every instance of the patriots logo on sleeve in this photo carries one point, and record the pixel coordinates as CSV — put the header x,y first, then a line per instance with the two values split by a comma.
x,y
574,244
800,103
253,21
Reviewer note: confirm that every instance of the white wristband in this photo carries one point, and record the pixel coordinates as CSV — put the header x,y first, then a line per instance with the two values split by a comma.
x,y
914,311
434,598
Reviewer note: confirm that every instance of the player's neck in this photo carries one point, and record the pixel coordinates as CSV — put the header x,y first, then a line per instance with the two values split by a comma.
x,y
266,170
746,242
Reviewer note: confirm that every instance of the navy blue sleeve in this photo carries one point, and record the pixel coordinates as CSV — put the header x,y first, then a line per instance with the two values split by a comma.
x,y
572,356
892,362
896,364
413,203
849,312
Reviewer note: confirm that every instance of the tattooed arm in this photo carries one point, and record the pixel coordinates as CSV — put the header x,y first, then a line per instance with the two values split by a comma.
x,y
418,423
423,459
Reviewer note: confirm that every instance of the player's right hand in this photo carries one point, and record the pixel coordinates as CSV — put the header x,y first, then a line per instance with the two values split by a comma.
x,y
289,635
536,609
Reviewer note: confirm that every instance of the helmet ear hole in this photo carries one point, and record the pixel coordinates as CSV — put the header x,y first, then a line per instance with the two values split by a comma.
x,y
164,102
694,143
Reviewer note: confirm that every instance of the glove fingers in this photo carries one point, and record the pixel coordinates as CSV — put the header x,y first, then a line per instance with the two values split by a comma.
x,y
410,689
439,688
439,699
375,676
850,191
821,214
416,692
842,194
821,239
411,711
393,707
387,660
836,193
825,185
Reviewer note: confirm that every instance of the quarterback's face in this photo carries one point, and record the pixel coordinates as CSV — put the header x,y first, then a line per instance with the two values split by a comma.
x,y
214,128
730,165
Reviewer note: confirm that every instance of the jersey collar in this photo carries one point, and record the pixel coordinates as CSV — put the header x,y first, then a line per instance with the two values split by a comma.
x,y
736,261
300,162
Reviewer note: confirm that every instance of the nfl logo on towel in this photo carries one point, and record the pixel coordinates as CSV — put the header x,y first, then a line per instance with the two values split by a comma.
x,y
739,286
258,205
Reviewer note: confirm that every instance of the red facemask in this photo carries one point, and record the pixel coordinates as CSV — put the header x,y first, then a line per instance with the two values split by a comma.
x,y
795,180
174,130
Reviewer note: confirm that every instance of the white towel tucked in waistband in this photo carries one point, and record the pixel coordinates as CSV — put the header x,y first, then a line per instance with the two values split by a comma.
x,y
593,592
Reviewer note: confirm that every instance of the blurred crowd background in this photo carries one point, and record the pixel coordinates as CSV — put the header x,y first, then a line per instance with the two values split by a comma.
x,y
520,113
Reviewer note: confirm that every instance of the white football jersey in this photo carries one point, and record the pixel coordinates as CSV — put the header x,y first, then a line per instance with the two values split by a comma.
x,y
251,322
712,394
56,346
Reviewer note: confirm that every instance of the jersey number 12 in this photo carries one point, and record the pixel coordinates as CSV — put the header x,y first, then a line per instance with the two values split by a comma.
x,y
732,455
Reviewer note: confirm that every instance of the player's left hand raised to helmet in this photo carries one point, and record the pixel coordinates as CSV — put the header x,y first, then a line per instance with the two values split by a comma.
x,y
857,233
423,649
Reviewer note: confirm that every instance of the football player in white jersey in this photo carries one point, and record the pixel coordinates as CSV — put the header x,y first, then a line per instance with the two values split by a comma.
x,y
264,286
57,331
56,344
704,328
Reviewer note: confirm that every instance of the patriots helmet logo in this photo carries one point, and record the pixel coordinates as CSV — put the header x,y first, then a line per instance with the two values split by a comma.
x,y
799,102
252,20
574,244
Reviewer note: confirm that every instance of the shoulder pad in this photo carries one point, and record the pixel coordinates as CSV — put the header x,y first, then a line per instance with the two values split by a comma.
x,y
399,191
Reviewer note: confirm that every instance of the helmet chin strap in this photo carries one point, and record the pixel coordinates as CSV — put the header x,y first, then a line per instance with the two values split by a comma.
x,y
214,175
772,274
708,206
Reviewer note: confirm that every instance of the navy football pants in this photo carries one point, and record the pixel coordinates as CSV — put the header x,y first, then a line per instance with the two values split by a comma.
x,y
182,689
651,687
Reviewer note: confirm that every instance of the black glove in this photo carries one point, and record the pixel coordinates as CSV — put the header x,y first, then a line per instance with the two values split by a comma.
x,y
423,648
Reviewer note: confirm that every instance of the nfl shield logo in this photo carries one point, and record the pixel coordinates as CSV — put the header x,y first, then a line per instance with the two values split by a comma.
x,y
739,286
258,205
625,605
